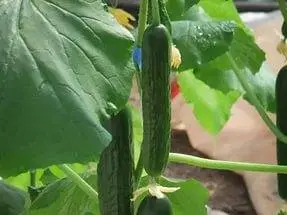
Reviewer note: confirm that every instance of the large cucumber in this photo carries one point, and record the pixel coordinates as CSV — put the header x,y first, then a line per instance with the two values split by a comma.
x,y
156,53
281,121
115,168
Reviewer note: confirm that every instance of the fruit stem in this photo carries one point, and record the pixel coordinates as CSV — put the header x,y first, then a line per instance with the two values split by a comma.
x,y
78,180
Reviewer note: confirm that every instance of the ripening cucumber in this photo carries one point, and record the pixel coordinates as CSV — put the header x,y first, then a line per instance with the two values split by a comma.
x,y
156,54
116,167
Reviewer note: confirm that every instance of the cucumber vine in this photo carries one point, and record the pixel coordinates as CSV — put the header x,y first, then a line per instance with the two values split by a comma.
x,y
154,187
193,160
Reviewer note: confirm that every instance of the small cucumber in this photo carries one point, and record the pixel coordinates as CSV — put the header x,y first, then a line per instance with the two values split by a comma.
x,y
156,54
281,121
115,168
151,205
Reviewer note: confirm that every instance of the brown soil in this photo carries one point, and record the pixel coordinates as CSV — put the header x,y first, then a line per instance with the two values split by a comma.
x,y
227,189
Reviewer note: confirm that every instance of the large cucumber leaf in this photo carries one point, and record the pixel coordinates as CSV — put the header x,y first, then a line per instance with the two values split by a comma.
x,y
201,38
177,8
221,10
65,66
201,41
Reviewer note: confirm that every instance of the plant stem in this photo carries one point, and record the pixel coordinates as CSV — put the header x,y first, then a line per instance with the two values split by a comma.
x,y
282,7
78,181
155,12
139,170
225,165
253,98
33,178
142,22
141,28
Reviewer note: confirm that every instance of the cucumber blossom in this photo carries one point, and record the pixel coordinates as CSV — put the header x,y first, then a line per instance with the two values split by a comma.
x,y
156,57
151,205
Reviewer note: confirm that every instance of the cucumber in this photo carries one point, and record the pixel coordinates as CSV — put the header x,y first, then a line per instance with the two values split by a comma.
x,y
281,121
156,54
151,205
115,168
284,29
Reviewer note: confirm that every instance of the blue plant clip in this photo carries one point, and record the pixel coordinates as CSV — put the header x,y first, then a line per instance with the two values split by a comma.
x,y
137,57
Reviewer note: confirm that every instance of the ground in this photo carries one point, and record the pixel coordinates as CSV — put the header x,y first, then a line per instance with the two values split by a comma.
x,y
227,189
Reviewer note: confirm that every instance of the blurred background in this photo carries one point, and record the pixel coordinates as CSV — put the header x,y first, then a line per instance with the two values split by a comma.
x,y
242,5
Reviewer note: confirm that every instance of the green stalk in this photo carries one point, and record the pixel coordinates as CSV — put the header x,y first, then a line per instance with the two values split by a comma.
x,y
282,7
226,165
142,22
155,12
253,98
141,28
139,170
33,178
78,181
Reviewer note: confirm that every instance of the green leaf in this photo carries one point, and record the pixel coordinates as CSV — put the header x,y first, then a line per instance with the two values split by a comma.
x,y
53,173
61,78
221,10
219,74
175,9
195,13
78,168
250,59
226,10
22,181
211,107
13,201
190,199
200,42
245,51
190,3
263,84
48,177
215,70
64,197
